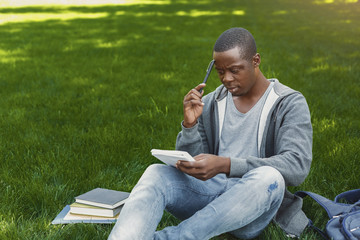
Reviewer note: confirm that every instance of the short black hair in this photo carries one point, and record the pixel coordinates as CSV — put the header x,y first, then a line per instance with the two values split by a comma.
x,y
237,37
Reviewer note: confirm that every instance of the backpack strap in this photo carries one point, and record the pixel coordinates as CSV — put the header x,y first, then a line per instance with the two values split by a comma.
x,y
318,230
332,208
327,204
351,196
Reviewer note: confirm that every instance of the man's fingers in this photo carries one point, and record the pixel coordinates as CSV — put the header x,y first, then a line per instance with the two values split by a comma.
x,y
195,91
193,102
201,156
191,164
193,94
200,86
195,169
185,164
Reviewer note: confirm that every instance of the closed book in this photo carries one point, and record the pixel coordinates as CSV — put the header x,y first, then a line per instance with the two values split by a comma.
x,y
84,209
65,217
101,197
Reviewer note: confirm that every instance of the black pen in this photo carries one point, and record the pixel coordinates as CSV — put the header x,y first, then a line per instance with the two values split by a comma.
x,y
208,71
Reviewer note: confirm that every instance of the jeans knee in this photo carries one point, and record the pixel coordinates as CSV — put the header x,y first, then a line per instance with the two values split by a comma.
x,y
155,169
270,178
151,176
276,184
271,174
160,174
151,181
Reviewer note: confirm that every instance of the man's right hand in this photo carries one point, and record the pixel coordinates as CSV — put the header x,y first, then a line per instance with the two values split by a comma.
x,y
193,106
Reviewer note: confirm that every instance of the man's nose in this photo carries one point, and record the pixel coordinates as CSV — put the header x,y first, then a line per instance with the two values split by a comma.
x,y
228,77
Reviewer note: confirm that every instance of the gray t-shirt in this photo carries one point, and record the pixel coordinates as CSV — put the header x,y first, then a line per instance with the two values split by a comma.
x,y
239,136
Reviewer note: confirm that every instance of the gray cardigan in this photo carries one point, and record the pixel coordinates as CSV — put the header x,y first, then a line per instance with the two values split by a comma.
x,y
286,144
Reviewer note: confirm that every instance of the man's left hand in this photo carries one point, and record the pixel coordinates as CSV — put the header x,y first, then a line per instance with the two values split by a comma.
x,y
205,166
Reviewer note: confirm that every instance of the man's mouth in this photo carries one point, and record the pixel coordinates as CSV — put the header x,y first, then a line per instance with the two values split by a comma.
x,y
231,89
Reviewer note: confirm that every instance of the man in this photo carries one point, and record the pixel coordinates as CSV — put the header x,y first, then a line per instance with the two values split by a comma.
x,y
251,138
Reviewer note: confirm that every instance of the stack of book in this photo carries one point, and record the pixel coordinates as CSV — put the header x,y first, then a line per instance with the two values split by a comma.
x,y
99,202
96,206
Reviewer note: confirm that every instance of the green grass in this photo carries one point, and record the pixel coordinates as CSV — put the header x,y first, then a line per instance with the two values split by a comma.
x,y
88,91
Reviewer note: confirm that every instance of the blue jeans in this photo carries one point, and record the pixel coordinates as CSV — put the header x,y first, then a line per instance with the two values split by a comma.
x,y
242,206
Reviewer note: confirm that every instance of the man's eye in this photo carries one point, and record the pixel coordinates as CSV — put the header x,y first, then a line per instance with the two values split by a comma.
x,y
220,72
234,70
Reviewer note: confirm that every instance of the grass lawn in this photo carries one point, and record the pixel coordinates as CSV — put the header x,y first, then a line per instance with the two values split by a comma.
x,y
88,90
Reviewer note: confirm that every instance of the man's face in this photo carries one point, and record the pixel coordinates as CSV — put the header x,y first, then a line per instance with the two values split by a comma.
x,y
236,74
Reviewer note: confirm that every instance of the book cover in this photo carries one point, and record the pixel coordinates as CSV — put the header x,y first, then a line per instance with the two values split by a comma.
x,y
101,197
65,217
170,157
84,209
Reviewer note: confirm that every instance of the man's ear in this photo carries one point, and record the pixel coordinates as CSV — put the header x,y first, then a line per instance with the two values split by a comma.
x,y
256,60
